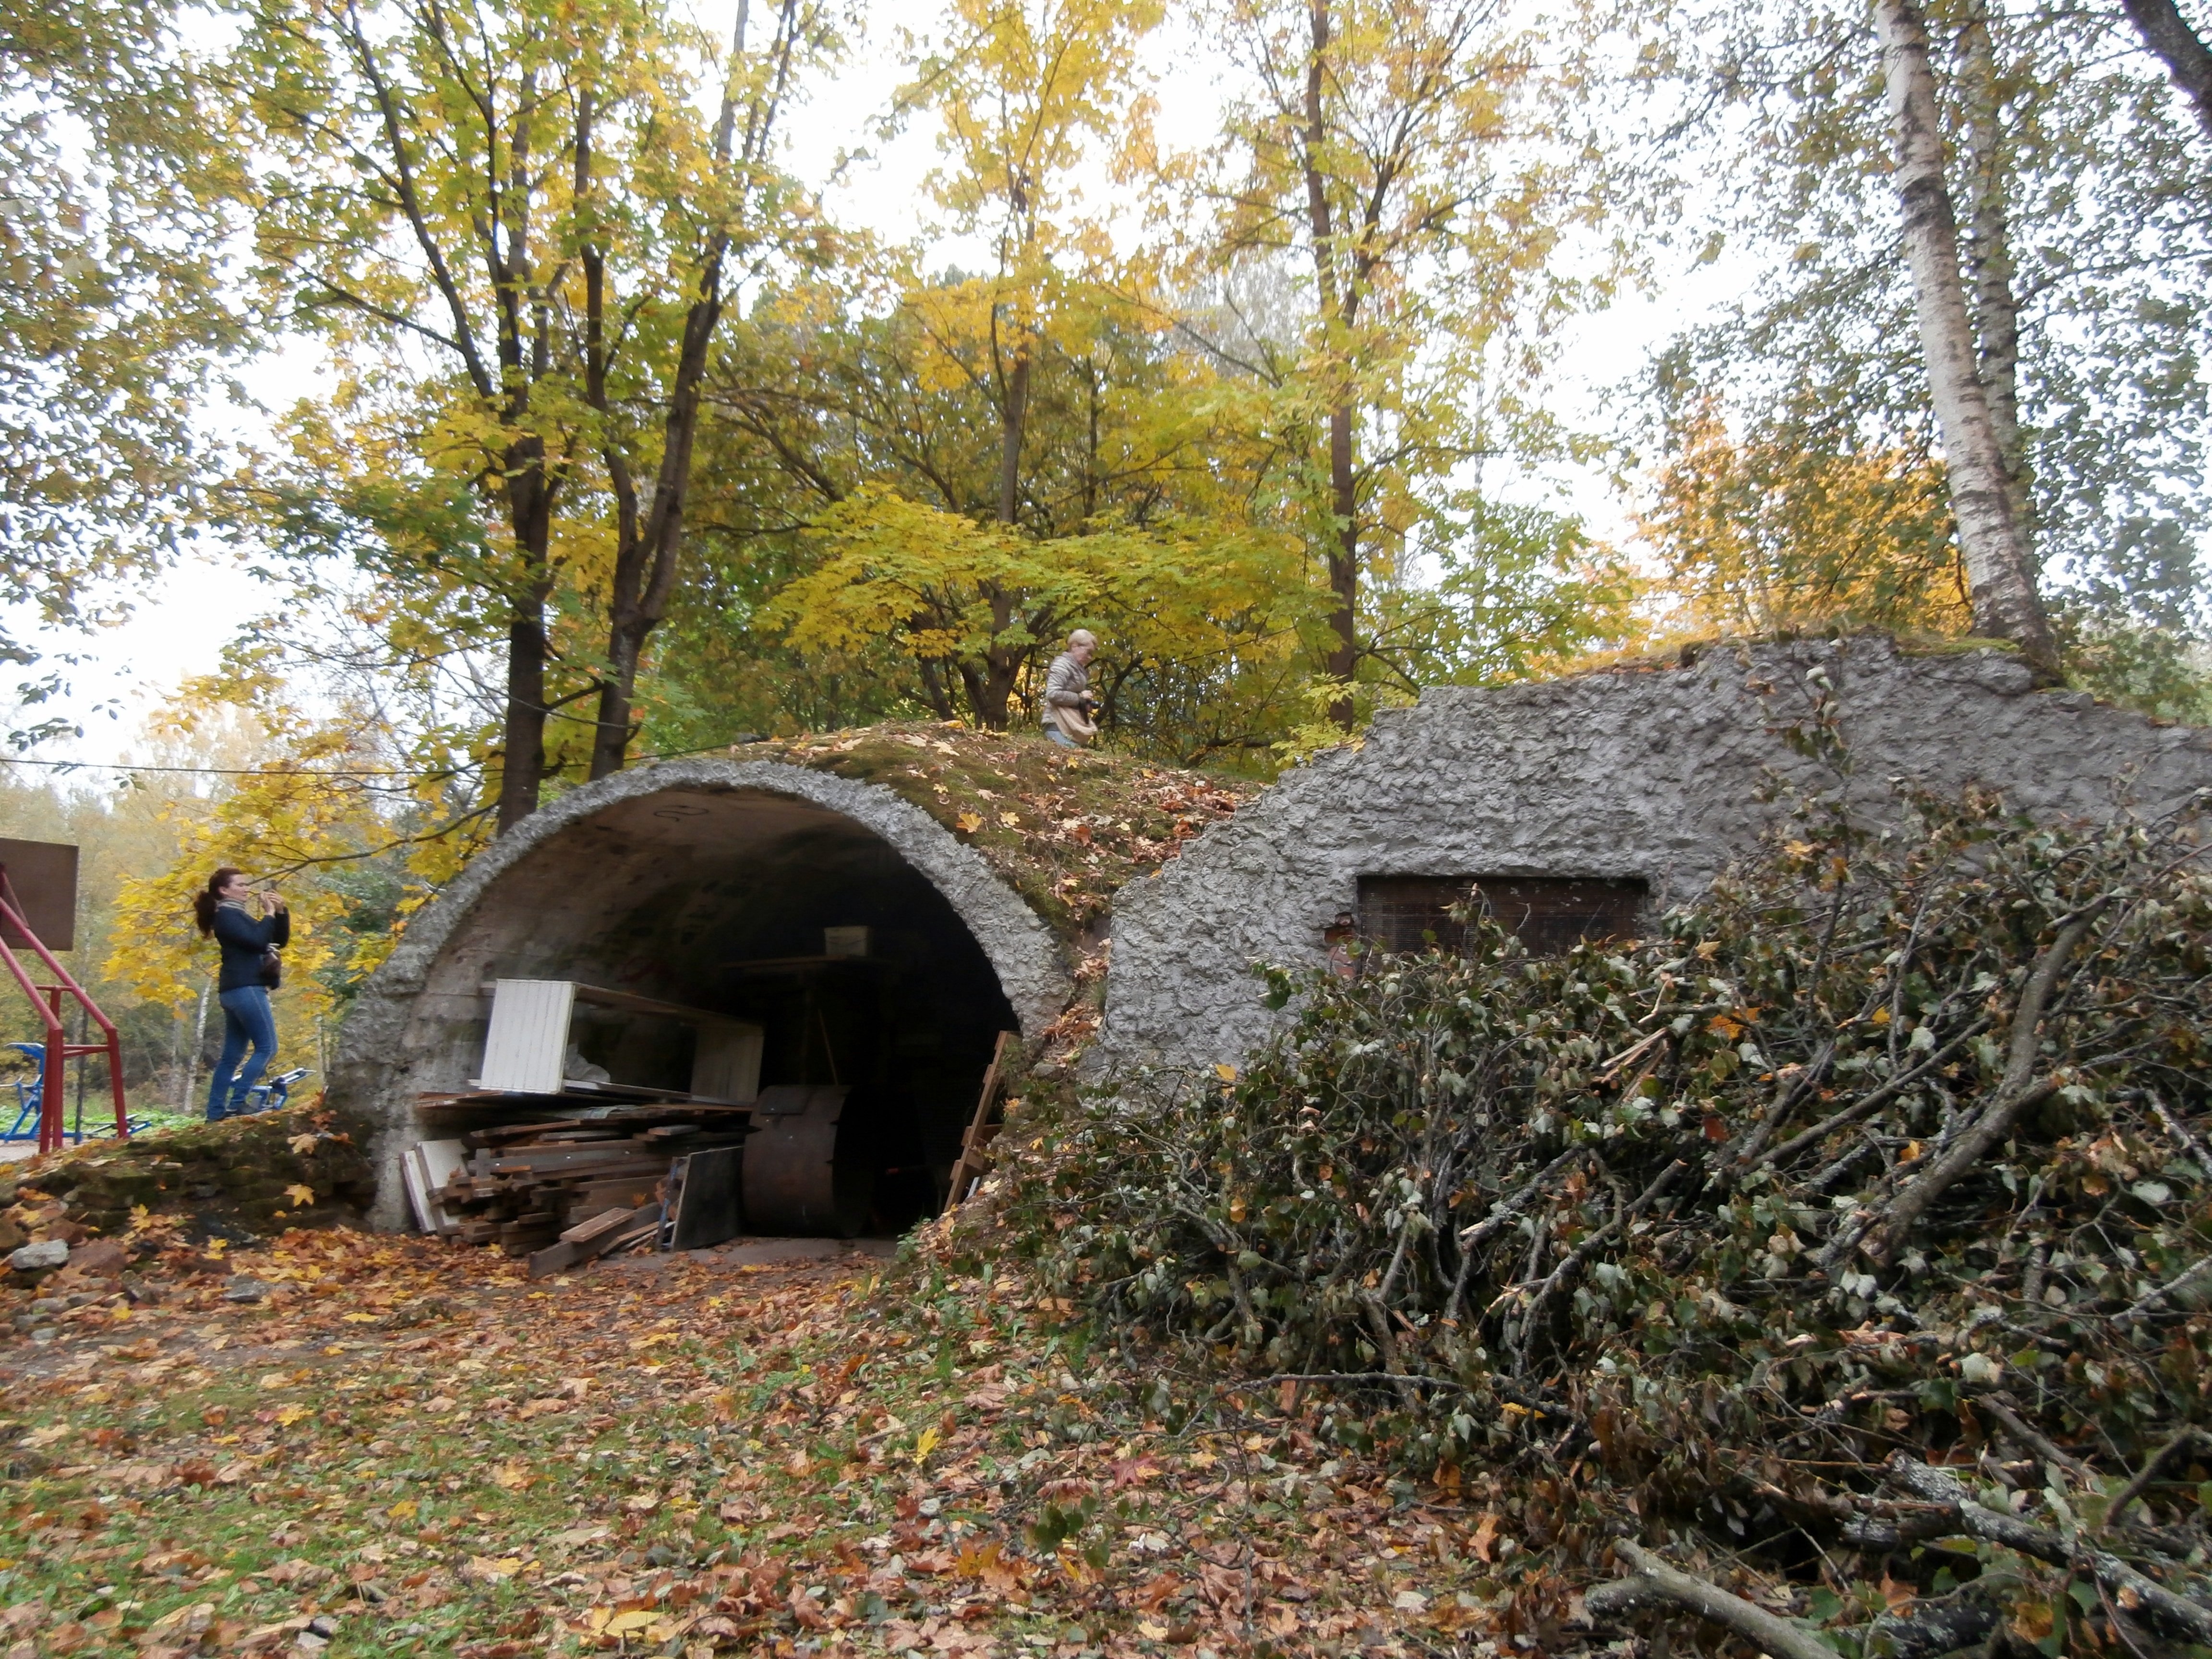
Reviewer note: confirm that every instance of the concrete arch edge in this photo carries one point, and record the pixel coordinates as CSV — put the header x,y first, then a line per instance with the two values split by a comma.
x,y
1023,952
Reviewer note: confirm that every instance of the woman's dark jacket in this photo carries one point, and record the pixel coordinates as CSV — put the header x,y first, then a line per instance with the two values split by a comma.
x,y
243,939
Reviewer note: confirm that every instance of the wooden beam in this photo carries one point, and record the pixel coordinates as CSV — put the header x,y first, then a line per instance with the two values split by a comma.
x,y
973,1166
603,1232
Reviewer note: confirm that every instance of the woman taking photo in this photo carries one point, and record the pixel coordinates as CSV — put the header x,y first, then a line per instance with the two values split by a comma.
x,y
250,970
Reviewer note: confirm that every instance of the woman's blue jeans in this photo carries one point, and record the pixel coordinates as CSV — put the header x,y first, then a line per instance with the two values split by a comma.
x,y
247,1018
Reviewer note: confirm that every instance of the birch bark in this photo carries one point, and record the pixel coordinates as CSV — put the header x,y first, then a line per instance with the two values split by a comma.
x,y
2006,605
2188,60
1991,266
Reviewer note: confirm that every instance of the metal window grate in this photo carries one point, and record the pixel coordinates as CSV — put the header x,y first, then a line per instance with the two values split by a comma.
x,y
1550,915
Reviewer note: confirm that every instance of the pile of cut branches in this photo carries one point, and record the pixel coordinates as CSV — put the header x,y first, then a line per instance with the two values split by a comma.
x,y
1866,1206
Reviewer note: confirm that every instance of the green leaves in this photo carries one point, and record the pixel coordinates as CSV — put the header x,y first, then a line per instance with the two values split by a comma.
x,y
963,597
114,311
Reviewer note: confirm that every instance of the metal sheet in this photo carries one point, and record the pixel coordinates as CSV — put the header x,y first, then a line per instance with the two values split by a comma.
x,y
43,875
798,1181
707,1210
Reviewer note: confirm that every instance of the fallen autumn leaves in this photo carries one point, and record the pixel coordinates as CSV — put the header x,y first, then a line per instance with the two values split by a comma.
x,y
402,1448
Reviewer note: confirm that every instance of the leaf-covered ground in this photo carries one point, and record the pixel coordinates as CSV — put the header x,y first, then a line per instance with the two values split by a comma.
x,y
404,1448
238,1178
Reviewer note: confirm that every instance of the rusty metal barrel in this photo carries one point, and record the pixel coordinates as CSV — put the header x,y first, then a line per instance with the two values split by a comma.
x,y
804,1174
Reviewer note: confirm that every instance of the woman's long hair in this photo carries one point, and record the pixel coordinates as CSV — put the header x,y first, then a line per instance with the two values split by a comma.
x,y
204,901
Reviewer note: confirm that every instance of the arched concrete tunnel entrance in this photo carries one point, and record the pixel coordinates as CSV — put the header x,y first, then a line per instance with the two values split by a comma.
x,y
710,885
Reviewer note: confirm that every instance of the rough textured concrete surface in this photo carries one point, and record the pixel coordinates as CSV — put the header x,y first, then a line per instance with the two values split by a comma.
x,y
1643,773
655,880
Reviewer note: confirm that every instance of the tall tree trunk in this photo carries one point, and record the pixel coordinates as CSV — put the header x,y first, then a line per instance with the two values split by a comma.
x,y
614,687
2006,605
647,553
611,730
1013,426
991,692
522,769
972,681
642,600
1343,554
933,692
2188,61
1989,257
524,484
1343,658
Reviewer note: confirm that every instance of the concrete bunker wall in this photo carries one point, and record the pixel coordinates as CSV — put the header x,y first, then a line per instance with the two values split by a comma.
x,y
1645,775
668,881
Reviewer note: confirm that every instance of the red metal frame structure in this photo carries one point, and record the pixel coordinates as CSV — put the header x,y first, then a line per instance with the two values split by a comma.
x,y
47,1000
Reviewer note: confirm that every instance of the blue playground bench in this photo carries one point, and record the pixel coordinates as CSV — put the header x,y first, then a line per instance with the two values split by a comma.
x,y
270,1094
30,1097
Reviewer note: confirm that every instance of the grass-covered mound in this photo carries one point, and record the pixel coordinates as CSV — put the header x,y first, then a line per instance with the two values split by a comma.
x,y
245,1176
1066,828
1854,1236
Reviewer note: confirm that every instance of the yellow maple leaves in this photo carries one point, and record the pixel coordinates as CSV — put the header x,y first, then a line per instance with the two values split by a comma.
x,y
652,1624
953,593
1760,534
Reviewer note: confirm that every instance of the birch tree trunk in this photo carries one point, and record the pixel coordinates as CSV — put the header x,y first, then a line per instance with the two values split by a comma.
x,y
2188,60
1989,264
2006,605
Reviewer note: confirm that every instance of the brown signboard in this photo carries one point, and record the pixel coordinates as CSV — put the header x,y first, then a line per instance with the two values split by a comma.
x,y
43,875
1550,915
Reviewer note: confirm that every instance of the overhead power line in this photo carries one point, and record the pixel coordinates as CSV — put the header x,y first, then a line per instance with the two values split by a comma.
x,y
317,772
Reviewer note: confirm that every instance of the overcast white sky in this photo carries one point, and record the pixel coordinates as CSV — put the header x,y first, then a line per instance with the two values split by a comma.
x,y
181,623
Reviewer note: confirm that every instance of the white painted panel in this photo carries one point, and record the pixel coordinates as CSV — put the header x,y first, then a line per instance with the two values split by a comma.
x,y
418,1193
426,1167
529,1035
726,1065
442,1160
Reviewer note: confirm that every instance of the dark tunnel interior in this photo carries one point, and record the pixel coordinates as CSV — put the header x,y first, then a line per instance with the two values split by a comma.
x,y
725,902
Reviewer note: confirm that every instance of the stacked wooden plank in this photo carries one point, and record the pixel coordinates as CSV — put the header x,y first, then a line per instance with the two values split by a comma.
x,y
520,1187
609,1231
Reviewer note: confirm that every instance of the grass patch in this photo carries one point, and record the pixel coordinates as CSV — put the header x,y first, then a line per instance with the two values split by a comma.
x,y
405,1450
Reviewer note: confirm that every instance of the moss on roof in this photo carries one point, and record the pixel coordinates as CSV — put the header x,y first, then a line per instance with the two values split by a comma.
x,y
1066,828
